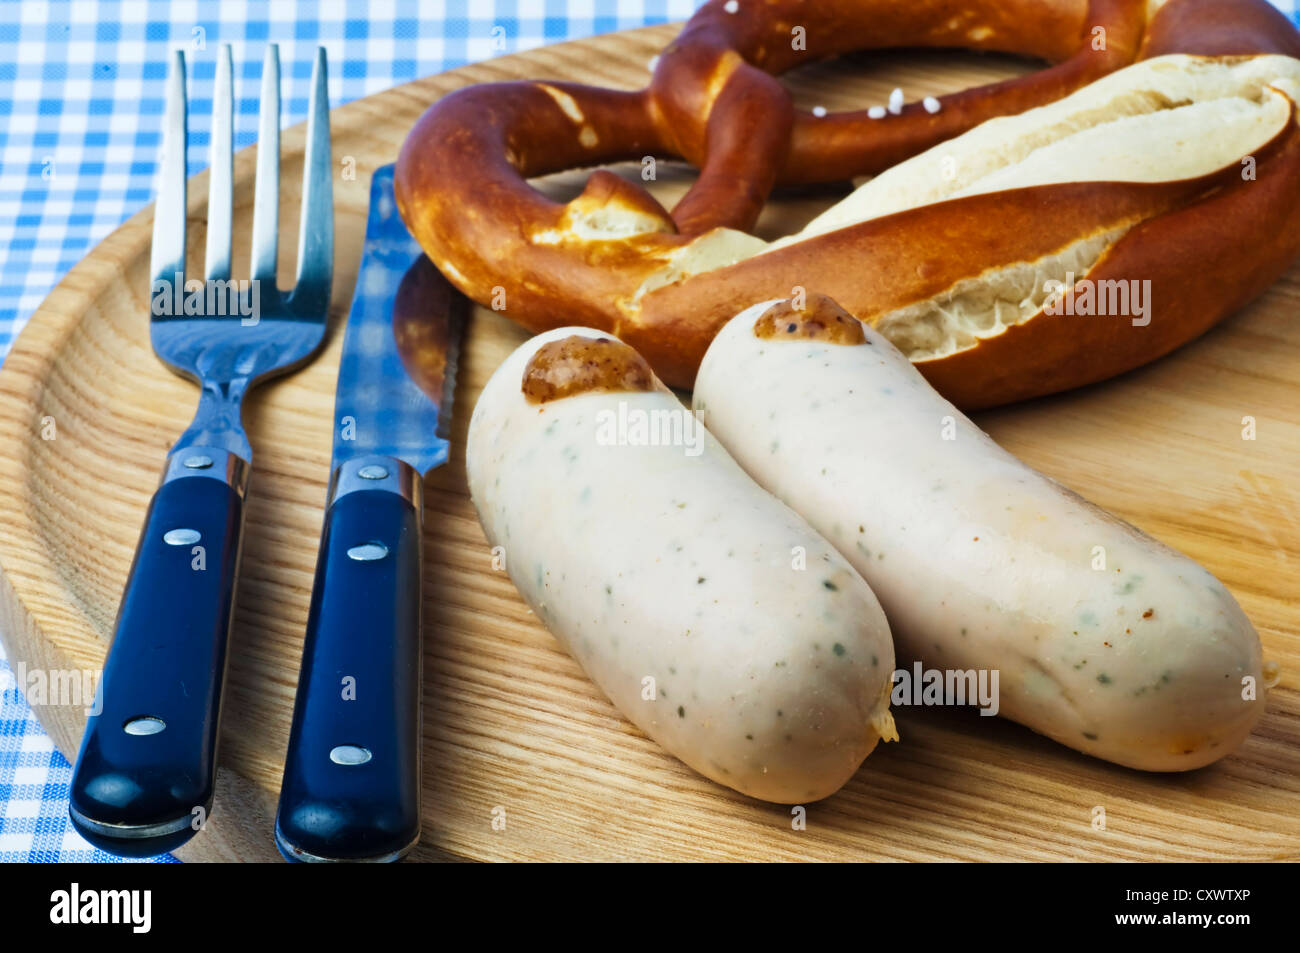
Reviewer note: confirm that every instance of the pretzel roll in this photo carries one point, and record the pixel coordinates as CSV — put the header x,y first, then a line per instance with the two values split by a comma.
x,y
1178,170
955,254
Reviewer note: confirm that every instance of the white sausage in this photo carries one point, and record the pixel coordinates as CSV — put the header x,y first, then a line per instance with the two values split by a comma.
x,y
770,657
1131,652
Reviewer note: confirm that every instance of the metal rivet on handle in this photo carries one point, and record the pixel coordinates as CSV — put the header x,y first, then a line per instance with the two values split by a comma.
x,y
181,537
349,754
144,725
368,552
199,461
372,471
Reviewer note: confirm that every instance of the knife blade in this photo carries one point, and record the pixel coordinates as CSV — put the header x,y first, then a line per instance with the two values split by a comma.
x,y
352,771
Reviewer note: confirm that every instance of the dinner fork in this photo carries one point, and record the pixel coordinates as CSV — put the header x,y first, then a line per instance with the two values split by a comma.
x,y
144,778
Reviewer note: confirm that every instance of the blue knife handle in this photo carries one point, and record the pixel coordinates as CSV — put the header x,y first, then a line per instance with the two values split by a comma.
x,y
143,782
351,788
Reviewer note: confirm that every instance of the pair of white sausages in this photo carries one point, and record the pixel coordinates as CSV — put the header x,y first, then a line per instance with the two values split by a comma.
x,y
715,618
772,670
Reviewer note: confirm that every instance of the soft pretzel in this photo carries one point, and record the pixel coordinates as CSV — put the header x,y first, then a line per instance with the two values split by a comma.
x,y
951,253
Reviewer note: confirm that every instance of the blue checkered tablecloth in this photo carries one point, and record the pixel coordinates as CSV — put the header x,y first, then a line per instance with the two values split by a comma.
x,y
81,100
80,114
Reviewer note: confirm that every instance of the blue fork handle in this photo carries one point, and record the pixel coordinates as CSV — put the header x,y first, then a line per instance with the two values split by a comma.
x,y
143,781
351,789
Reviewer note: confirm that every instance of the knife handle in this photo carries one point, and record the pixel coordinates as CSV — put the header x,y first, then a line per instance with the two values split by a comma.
x,y
351,789
144,777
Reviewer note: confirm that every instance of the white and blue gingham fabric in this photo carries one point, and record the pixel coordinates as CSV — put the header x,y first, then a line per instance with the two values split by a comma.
x,y
81,100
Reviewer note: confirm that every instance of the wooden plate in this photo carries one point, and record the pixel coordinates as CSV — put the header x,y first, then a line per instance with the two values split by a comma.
x,y
512,727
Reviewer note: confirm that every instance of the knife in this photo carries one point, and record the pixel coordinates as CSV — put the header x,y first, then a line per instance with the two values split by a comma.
x,y
351,788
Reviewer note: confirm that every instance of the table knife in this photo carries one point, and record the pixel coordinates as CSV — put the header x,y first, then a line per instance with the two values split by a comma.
x,y
351,788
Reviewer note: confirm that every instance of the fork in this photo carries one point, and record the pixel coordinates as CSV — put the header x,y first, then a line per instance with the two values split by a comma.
x,y
145,775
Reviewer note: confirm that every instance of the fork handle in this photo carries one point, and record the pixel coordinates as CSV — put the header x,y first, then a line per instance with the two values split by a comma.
x,y
144,778
351,789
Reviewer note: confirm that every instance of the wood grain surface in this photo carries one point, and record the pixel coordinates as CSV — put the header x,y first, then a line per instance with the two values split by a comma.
x,y
510,721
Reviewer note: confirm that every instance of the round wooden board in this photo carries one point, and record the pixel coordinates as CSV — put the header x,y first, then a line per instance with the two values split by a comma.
x,y
510,721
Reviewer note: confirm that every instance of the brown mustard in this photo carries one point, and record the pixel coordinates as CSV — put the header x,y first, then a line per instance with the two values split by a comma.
x,y
821,319
581,365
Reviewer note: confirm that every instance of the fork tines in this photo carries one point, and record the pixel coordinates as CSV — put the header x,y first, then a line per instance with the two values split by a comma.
x,y
316,227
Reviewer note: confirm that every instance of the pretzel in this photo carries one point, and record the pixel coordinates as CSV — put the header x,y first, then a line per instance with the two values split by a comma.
x,y
616,260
